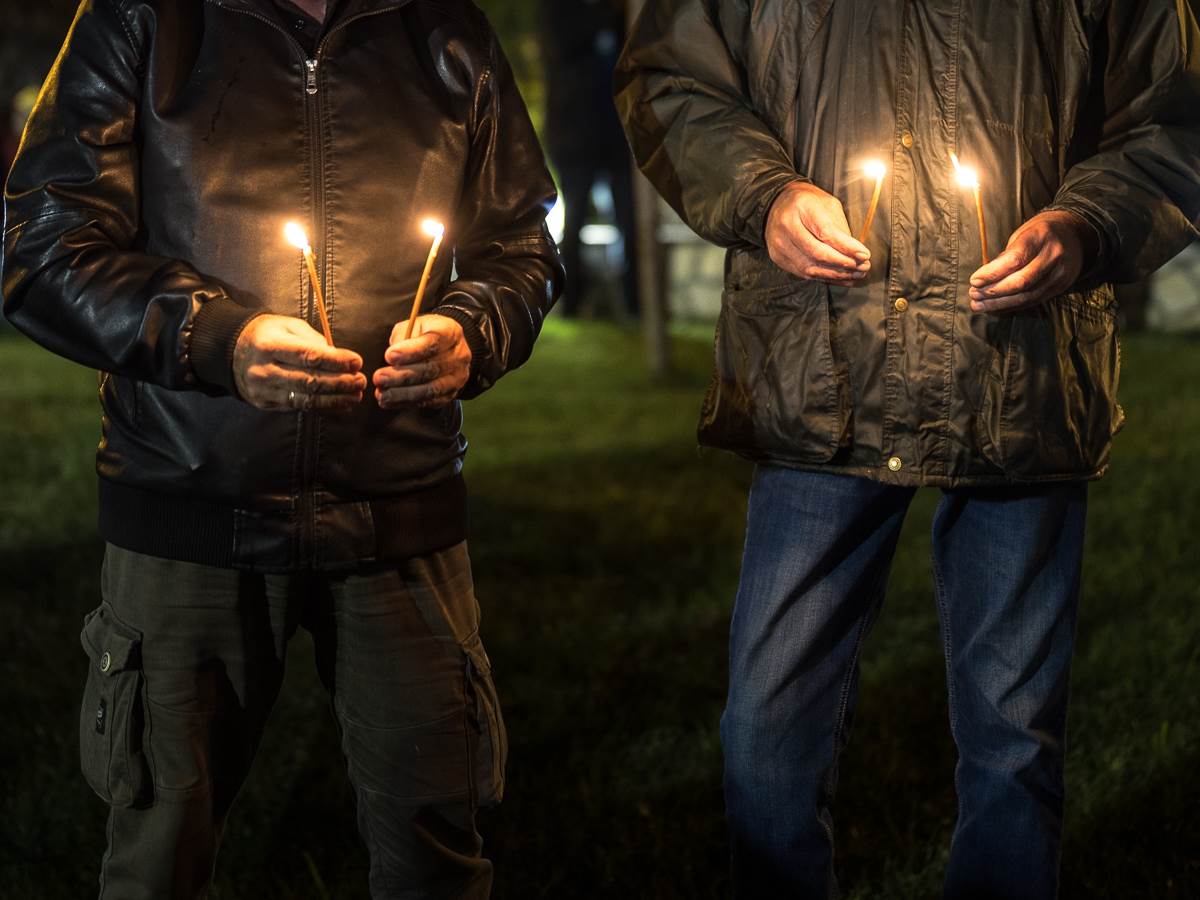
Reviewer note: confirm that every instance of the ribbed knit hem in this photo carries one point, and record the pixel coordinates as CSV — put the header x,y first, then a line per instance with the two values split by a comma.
x,y
387,528
215,331
166,526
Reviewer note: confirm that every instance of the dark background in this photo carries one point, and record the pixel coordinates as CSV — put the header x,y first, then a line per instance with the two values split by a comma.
x,y
606,551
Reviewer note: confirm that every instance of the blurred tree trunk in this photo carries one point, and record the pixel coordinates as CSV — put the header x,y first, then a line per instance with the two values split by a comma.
x,y
652,299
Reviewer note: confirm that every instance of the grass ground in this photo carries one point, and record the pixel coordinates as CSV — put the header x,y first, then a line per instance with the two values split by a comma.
x,y
606,551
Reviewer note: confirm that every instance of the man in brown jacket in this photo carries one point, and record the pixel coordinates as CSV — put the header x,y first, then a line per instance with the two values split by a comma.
x,y
855,371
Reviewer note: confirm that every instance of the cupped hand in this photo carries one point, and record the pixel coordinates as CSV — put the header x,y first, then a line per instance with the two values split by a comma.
x,y
1043,259
427,370
282,363
807,235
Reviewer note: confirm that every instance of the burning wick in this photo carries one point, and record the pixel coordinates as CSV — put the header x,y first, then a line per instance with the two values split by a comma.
x,y
876,170
969,178
435,230
298,239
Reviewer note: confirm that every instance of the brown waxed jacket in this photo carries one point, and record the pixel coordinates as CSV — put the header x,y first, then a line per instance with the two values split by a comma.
x,y
1091,106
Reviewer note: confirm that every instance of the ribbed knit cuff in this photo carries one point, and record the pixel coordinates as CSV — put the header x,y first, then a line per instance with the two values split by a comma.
x,y
215,331
477,343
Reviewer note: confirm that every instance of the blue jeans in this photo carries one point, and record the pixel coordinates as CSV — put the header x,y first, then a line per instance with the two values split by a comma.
x,y
818,551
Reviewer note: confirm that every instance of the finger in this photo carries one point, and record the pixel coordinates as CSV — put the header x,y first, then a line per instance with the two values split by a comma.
x,y
823,253
315,356
828,225
785,255
1018,255
1031,278
308,381
840,276
430,392
1008,304
429,323
837,235
402,376
415,350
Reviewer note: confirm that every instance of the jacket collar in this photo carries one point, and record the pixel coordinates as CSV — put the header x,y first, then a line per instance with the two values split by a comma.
x,y
345,8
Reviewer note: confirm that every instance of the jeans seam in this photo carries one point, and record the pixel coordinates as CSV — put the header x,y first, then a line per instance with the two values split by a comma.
x,y
939,590
844,700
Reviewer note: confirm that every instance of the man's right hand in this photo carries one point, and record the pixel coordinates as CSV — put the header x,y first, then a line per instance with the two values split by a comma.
x,y
807,235
282,363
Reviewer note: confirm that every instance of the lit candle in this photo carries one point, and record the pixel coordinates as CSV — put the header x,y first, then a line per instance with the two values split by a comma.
x,y
969,178
298,239
435,230
876,170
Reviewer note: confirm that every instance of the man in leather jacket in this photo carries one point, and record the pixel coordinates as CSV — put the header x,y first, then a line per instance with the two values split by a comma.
x,y
855,371
252,477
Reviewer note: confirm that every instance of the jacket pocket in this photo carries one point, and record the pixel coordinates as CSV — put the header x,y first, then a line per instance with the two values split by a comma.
x,y
1057,408
777,391
112,716
489,739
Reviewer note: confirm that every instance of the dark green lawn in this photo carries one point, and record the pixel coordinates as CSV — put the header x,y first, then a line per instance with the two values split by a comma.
x,y
606,551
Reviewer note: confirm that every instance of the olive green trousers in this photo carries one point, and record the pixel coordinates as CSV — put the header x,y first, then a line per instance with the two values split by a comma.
x,y
185,664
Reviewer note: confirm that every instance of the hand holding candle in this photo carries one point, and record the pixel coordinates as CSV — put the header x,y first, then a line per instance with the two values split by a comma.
x,y
297,237
436,231
428,370
878,171
807,235
1044,258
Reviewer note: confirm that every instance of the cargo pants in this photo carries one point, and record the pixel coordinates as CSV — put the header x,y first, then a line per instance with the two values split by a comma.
x,y
185,663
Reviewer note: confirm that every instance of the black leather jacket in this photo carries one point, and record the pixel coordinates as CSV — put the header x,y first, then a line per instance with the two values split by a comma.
x,y
143,228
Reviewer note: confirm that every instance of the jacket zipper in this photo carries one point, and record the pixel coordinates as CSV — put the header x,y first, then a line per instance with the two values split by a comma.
x,y
310,435
309,427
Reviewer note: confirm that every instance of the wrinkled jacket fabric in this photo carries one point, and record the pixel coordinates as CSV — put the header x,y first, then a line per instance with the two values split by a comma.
x,y
1091,106
143,228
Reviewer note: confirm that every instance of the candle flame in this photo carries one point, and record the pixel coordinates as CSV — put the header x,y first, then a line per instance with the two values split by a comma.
x,y
875,169
967,177
433,228
296,236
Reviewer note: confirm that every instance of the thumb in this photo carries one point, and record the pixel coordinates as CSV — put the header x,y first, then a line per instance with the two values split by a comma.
x,y
1016,255
833,229
301,330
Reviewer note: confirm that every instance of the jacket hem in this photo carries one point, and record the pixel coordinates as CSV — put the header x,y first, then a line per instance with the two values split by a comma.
x,y
223,536
911,478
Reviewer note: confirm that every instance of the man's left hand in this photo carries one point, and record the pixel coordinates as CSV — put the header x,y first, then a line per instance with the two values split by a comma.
x,y
429,369
1044,257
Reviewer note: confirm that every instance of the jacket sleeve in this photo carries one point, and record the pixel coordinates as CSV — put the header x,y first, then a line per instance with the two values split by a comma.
x,y
74,279
680,93
508,269
1136,177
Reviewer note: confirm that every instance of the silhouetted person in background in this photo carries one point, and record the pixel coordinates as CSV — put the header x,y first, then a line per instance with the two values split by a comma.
x,y
16,111
583,136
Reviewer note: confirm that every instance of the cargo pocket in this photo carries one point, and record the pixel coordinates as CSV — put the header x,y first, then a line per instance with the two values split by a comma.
x,y
112,717
489,740
777,390
1058,409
